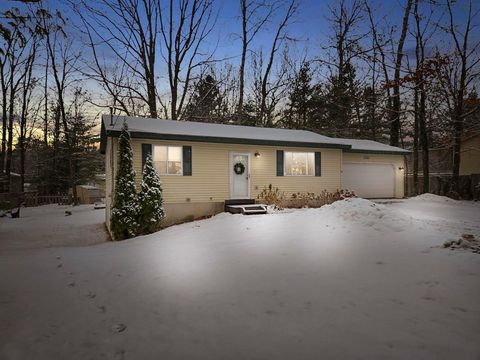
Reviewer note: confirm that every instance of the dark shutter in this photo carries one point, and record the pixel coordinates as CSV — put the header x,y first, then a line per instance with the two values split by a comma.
x,y
279,162
187,161
318,163
146,150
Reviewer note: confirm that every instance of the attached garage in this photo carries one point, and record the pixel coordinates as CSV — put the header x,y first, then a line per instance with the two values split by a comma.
x,y
373,170
369,180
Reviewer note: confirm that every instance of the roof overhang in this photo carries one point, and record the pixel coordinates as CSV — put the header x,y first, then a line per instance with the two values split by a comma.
x,y
105,133
214,139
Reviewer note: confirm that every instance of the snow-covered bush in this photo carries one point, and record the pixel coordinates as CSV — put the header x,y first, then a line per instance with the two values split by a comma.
x,y
150,200
123,221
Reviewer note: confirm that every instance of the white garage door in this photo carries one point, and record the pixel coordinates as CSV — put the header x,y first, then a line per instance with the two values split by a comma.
x,y
369,180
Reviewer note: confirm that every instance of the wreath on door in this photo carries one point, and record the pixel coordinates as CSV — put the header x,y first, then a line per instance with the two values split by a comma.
x,y
239,168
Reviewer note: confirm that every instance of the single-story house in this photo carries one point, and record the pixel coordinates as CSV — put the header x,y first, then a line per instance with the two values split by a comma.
x,y
202,165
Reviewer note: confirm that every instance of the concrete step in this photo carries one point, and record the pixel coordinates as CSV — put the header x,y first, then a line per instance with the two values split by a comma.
x,y
247,209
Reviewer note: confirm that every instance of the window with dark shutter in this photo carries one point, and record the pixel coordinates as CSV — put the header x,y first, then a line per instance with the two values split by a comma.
x,y
146,150
318,163
279,162
187,161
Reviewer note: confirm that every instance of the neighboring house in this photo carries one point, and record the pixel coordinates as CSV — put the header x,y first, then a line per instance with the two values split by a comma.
x,y
199,166
89,194
441,160
470,155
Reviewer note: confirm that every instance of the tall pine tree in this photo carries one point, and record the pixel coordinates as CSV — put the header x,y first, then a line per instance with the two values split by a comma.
x,y
125,209
150,199
206,104
300,102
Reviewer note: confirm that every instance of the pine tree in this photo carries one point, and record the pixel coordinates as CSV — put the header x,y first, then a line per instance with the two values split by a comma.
x,y
125,208
206,102
150,199
341,93
301,103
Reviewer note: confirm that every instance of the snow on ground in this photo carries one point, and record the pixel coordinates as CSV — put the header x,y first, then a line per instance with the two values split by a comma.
x,y
46,226
354,279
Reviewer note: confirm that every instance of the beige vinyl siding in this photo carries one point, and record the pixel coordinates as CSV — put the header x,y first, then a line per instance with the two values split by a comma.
x,y
396,160
470,156
210,180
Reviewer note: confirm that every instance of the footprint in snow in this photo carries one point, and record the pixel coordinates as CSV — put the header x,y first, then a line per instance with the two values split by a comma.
x,y
101,308
380,263
91,295
118,328
59,266
72,284
120,355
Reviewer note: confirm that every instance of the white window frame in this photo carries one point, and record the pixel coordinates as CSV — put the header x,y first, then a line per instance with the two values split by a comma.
x,y
168,146
298,152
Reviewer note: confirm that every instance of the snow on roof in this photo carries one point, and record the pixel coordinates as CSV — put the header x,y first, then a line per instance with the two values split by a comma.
x,y
190,128
369,145
149,127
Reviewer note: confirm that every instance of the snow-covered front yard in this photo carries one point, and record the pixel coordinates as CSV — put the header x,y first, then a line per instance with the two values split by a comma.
x,y
353,280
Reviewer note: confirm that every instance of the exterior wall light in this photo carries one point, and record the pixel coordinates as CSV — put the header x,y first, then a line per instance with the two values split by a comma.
x,y
401,168
257,154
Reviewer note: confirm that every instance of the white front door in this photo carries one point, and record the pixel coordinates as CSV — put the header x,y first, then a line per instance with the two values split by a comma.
x,y
239,175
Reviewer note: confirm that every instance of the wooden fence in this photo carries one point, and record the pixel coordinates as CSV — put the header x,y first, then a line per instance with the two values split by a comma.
x,y
442,185
12,200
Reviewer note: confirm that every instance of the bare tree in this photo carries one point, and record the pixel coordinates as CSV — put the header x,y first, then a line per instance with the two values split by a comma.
x,y
63,62
255,15
458,74
280,36
183,30
395,123
28,85
16,40
344,50
128,29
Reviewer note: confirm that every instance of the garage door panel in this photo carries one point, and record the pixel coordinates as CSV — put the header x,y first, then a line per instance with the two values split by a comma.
x,y
369,180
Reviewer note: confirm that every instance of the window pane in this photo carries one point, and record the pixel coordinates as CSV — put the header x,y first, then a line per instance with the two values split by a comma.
x,y
311,164
299,161
175,167
160,153
160,166
174,153
288,163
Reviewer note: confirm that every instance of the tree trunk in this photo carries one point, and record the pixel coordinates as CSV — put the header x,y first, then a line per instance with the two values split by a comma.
x,y
4,123
8,166
424,142
415,143
396,104
45,116
241,75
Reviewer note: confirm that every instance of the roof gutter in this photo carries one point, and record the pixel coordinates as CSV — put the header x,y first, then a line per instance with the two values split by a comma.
x,y
381,152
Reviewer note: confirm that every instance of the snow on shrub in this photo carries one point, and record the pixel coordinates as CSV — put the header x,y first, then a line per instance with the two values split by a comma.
x,y
150,200
123,221
134,214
